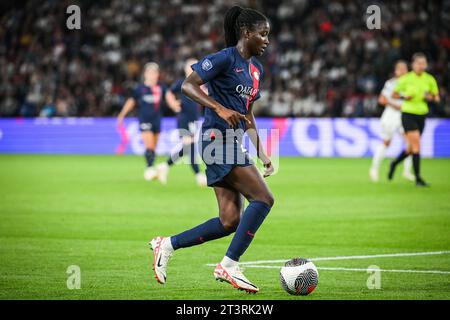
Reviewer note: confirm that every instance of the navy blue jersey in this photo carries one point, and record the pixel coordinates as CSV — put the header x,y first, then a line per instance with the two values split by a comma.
x,y
149,101
189,108
232,81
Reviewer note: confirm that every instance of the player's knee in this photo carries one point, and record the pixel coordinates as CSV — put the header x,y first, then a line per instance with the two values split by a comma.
x,y
415,147
230,217
271,201
230,223
268,199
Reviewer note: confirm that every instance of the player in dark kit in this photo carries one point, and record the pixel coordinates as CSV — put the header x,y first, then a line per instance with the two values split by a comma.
x,y
148,97
232,76
187,112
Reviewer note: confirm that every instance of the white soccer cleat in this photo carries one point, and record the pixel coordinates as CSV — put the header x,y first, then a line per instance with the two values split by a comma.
x,y
149,173
162,172
201,179
234,276
373,173
409,176
161,257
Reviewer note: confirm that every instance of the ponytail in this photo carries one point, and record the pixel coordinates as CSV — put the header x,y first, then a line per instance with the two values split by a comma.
x,y
230,26
237,18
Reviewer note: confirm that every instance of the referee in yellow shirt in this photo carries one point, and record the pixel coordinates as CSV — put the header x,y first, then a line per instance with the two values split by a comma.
x,y
416,88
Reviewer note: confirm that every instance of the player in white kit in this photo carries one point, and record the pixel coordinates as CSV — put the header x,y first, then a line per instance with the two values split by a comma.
x,y
391,123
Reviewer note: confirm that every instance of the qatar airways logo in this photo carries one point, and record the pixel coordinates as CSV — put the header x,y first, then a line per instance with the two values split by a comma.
x,y
151,98
246,91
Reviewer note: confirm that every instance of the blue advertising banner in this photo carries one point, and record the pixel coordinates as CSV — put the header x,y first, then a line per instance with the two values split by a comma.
x,y
308,137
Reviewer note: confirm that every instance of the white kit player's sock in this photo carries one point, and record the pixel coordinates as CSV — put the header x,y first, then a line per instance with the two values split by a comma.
x,y
166,244
407,165
379,156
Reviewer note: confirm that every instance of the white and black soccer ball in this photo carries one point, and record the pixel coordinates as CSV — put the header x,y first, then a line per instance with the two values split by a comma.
x,y
299,276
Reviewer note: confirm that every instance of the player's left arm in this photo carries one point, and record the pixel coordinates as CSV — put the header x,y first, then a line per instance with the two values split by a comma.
x,y
433,94
256,141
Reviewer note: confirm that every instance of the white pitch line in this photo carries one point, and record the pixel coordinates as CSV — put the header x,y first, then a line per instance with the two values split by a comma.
x,y
387,255
358,269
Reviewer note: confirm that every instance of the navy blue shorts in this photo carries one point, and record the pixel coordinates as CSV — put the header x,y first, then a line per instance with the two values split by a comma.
x,y
151,125
221,157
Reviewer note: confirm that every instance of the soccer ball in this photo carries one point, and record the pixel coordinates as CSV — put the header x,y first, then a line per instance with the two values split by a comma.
x,y
299,276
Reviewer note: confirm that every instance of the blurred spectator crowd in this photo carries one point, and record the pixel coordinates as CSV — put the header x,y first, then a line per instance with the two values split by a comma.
x,y
322,59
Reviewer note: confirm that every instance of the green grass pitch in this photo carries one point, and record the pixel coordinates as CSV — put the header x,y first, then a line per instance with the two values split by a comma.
x,y
98,213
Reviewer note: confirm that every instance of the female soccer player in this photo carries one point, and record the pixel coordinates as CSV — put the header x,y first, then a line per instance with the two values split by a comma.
x,y
232,75
417,88
187,112
148,97
391,123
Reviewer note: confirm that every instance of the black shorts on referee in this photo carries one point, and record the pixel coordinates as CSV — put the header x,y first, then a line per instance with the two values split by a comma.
x,y
411,122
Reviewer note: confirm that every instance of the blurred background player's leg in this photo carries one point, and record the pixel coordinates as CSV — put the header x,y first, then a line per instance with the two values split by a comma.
x,y
407,166
188,148
377,159
390,125
388,128
150,140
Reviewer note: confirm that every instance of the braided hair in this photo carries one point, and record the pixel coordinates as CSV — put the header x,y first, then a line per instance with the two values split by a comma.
x,y
237,18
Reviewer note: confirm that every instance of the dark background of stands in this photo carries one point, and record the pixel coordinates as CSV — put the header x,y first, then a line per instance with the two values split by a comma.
x,y
322,60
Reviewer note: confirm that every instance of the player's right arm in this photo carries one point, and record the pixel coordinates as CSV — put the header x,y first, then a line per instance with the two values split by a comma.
x,y
384,101
191,87
127,107
399,88
205,70
397,95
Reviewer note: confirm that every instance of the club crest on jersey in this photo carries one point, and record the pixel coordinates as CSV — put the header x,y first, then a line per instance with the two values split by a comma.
x,y
207,64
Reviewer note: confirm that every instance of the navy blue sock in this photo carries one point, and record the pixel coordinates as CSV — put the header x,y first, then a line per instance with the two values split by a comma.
x,y
416,165
174,158
149,157
194,166
402,156
252,218
209,230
